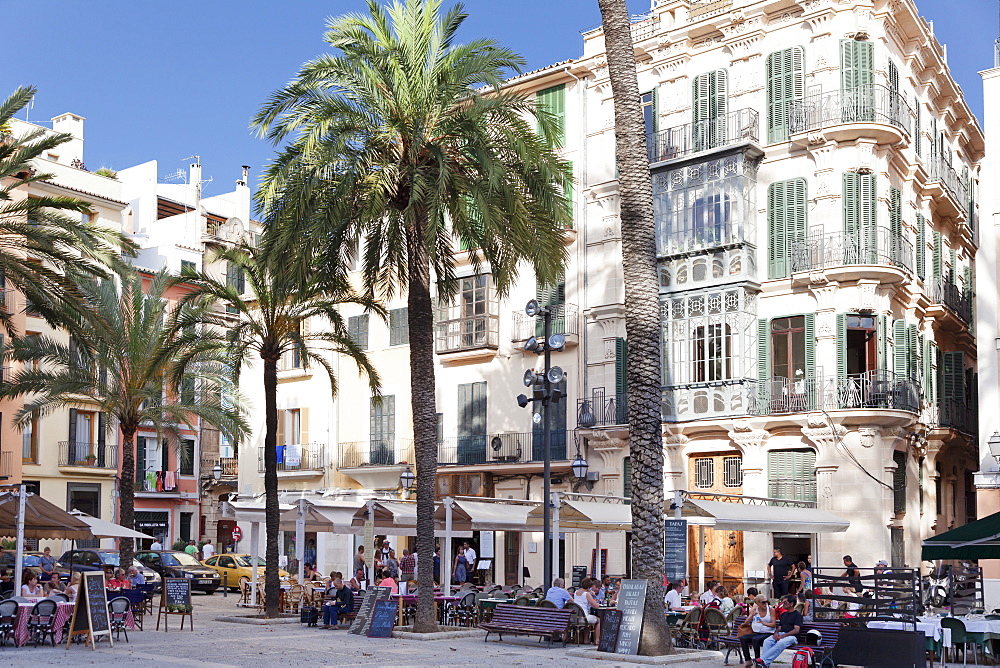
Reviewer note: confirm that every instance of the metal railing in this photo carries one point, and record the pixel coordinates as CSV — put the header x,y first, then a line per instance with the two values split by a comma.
x,y
837,249
230,466
78,453
505,448
879,389
6,465
736,127
602,409
644,26
699,9
377,452
952,296
473,333
305,457
939,170
802,489
872,103
565,320
957,415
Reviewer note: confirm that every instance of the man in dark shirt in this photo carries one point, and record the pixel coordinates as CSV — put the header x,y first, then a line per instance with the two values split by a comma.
x,y
779,570
854,573
339,601
789,625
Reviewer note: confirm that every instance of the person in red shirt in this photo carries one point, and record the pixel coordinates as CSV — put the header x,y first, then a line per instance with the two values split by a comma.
x,y
119,581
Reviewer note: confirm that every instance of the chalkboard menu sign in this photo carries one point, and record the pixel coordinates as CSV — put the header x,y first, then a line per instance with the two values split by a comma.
x,y
631,601
383,619
599,569
90,616
675,547
579,572
175,599
611,622
363,620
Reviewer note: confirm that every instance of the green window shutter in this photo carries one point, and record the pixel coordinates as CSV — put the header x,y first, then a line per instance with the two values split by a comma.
x,y
895,214
934,138
621,367
763,352
899,482
934,385
842,345
850,205
918,128
937,257
868,199
140,461
953,376
627,477
810,335
953,258
568,194
553,100
787,216
857,58
859,207
899,348
882,343
710,101
785,86
925,367
921,247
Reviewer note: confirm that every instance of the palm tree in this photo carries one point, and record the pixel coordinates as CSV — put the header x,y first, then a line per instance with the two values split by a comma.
x,y
642,324
279,316
43,247
404,140
127,360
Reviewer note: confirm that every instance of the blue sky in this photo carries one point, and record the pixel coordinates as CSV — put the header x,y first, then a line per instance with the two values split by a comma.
x,y
173,79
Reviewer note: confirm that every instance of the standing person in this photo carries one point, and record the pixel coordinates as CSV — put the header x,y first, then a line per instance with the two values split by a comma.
x,y
192,549
392,565
852,572
779,571
407,566
461,567
359,562
586,598
157,544
471,557
310,554
339,600
761,618
557,593
784,636
437,566
208,550
806,576
48,564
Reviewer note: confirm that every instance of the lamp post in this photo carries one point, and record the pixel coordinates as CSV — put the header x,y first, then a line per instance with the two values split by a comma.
x,y
542,397
217,471
994,444
406,479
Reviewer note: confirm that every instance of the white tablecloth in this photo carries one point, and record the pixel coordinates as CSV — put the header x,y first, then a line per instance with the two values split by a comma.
x,y
930,628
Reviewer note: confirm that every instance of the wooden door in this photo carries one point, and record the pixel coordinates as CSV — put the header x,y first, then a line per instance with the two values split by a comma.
x,y
716,473
512,557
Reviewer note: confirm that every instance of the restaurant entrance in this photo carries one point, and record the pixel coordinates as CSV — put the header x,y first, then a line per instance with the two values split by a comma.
x,y
716,473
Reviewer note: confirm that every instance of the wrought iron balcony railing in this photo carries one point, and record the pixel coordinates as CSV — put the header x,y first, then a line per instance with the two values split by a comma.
x,y
837,249
957,300
879,389
504,448
96,455
957,415
865,104
230,466
377,452
298,457
471,333
939,170
602,409
565,320
736,127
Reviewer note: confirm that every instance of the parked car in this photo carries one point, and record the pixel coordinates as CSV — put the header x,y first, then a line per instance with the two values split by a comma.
x,y
32,561
237,567
175,564
94,560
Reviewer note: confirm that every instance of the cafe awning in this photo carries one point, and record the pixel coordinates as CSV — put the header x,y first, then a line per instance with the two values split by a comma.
x,y
105,529
324,518
975,540
400,518
587,516
42,519
488,516
725,516
249,511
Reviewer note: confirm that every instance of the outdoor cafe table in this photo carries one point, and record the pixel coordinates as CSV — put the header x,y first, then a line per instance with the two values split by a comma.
x,y
64,611
937,636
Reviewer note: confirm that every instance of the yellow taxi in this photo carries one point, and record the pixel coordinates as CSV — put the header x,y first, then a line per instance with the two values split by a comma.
x,y
235,567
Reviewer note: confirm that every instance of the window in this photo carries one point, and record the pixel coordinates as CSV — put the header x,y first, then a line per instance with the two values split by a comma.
x,y
627,477
187,390
856,78
921,247
29,441
357,329
704,472
785,86
904,350
711,353
899,482
709,110
185,529
186,464
733,471
897,548
471,423
861,341
474,296
788,347
791,474
787,221
383,430
236,280
150,457
187,267
399,327
553,101
85,497
648,103
554,297
859,207
293,426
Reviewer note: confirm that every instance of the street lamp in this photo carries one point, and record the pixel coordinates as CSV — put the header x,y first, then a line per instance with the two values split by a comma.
x,y
406,479
217,471
579,467
545,392
994,444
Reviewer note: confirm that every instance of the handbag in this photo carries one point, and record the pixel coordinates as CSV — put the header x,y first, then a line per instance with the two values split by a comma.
x,y
744,629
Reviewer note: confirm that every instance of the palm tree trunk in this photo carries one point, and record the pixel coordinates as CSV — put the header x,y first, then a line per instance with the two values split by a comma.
x,y
420,319
642,325
126,494
271,511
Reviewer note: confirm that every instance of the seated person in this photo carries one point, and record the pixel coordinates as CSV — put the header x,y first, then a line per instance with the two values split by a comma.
x,y
726,604
31,586
672,601
557,593
358,582
339,601
310,574
784,636
387,581
6,582
708,596
54,584
135,577
74,586
118,581
586,598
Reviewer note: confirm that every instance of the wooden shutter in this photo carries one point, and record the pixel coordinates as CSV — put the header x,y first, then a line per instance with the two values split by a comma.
x,y
841,345
899,348
895,223
165,455
72,428
140,460
553,100
785,86
472,409
856,63
720,95
627,477
868,200
810,335
304,425
621,367
937,257
912,353
882,341
953,265
918,128
280,433
787,212
953,376
859,206
921,247
899,482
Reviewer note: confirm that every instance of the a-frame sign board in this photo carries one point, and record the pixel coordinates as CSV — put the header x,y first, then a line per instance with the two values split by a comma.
x,y
175,599
90,616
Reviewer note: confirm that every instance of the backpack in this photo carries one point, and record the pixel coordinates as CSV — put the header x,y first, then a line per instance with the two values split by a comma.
x,y
803,658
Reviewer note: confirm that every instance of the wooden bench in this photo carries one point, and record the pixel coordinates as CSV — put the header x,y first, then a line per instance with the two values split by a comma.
x,y
521,620
823,651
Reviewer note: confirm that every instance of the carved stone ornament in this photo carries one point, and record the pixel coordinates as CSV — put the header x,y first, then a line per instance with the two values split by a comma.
x,y
675,440
868,435
747,437
816,421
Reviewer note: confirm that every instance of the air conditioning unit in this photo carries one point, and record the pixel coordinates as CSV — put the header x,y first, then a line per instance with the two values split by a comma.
x,y
593,476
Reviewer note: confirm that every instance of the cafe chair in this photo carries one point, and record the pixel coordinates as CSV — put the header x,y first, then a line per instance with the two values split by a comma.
x,y
8,619
117,612
59,597
522,600
688,630
959,636
580,629
716,624
40,622
545,603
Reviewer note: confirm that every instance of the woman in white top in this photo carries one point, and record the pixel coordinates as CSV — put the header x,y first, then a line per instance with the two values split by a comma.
x,y
31,586
726,604
74,586
586,598
761,620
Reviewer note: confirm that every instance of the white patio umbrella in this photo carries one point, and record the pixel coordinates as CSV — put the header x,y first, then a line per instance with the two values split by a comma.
x,y
105,529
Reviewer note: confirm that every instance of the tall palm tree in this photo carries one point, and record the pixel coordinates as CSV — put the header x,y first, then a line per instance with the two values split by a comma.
x,y
282,313
404,140
43,245
642,324
127,359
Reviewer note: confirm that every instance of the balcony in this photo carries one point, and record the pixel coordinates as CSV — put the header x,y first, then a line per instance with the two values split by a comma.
x,y
376,464
957,415
505,448
297,461
877,389
854,256
602,410
871,111
950,194
6,465
230,467
951,296
736,127
100,459
700,9
565,320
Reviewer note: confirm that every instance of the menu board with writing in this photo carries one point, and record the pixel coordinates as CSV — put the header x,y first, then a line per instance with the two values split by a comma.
x,y
611,622
383,619
363,620
599,570
632,602
175,599
90,616
579,572
675,547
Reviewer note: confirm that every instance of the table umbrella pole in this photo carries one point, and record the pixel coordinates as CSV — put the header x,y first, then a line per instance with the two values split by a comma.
x,y
19,558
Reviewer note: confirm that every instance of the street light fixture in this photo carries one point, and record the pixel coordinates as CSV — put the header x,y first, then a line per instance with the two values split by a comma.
x,y
579,466
406,479
217,471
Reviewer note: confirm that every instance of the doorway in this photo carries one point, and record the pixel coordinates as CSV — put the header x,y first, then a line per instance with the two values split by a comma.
x,y
796,546
511,557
